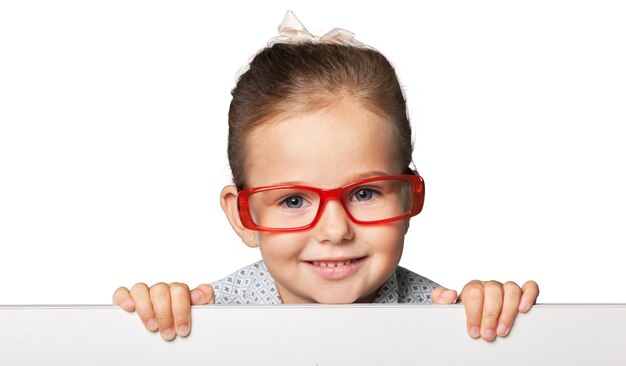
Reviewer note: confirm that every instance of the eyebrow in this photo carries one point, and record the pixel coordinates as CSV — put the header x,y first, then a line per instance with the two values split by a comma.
x,y
370,174
351,179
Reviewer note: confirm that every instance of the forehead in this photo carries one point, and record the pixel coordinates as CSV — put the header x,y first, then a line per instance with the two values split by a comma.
x,y
326,148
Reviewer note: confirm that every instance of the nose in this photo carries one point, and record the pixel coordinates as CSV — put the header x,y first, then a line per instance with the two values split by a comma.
x,y
334,225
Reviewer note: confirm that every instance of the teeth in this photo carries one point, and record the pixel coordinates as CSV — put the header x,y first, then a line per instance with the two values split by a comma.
x,y
332,264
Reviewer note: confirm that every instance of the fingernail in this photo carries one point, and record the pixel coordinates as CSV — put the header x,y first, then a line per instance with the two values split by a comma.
x,y
502,330
489,335
448,293
127,304
152,325
168,333
196,295
523,307
475,332
182,330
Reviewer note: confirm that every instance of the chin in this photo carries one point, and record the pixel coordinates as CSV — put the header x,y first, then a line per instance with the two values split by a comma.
x,y
339,298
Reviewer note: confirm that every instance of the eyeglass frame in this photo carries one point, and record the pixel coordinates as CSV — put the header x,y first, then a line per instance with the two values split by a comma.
x,y
243,204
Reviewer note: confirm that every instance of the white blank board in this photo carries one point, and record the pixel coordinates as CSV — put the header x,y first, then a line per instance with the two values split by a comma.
x,y
554,334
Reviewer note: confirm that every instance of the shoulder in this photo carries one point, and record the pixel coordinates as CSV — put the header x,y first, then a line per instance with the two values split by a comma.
x,y
413,287
251,284
405,286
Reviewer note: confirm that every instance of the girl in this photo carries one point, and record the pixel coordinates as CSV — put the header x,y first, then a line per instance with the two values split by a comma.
x,y
320,150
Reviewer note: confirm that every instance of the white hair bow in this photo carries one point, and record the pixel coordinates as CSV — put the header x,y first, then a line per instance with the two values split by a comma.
x,y
291,30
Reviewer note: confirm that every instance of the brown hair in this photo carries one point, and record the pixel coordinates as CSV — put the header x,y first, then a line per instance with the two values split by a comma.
x,y
287,79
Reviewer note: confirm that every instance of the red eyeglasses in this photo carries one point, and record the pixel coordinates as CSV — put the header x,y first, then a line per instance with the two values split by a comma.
x,y
287,208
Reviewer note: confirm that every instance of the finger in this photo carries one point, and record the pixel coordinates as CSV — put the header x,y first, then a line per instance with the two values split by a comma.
x,y
530,292
140,294
492,307
121,297
442,295
472,297
162,304
510,304
181,308
203,294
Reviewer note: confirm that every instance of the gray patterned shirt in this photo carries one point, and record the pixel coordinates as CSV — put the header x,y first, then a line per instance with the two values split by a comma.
x,y
253,284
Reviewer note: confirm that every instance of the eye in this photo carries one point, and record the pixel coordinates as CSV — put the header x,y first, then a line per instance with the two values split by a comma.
x,y
364,194
294,202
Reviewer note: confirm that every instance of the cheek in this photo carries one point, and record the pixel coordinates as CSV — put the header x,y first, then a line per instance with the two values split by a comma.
x,y
281,254
387,240
281,247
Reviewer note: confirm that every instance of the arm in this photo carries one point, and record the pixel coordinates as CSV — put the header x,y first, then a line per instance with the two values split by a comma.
x,y
490,306
164,307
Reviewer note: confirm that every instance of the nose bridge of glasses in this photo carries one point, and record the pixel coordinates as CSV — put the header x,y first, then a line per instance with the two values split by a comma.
x,y
326,196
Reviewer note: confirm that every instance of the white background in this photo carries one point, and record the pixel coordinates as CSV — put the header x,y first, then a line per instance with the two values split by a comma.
x,y
113,125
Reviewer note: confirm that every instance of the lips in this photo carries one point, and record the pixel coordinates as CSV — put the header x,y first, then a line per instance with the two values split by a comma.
x,y
335,268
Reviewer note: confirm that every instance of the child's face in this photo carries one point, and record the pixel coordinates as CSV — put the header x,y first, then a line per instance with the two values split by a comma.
x,y
325,149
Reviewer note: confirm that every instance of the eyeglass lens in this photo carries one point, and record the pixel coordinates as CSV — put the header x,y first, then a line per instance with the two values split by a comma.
x,y
292,208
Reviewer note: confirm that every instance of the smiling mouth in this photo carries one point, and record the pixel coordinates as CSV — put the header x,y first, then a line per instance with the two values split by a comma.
x,y
335,263
335,269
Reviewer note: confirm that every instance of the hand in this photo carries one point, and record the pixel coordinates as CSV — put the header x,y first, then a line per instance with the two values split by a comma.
x,y
164,307
490,306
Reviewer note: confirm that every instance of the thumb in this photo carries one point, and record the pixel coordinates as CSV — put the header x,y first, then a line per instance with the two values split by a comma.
x,y
203,294
442,295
